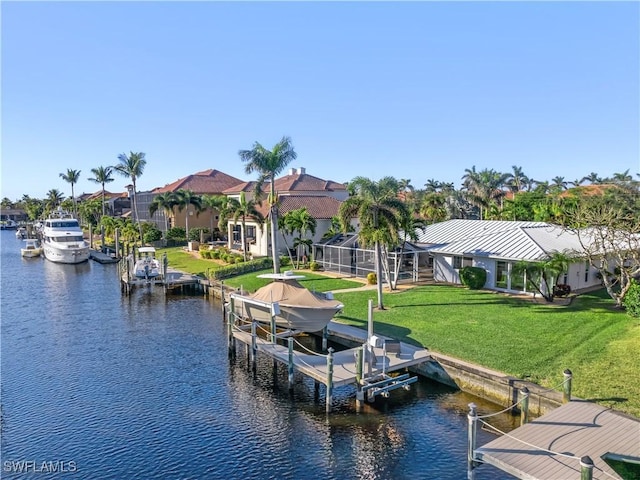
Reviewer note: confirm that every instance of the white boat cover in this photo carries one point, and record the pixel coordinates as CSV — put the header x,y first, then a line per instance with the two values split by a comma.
x,y
291,293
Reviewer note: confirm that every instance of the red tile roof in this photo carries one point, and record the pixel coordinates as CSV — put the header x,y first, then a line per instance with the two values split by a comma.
x,y
246,187
303,182
319,207
207,182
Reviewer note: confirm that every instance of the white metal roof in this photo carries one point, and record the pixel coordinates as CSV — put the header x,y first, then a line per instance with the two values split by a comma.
x,y
531,241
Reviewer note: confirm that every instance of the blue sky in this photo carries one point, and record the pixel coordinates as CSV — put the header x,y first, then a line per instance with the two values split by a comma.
x,y
414,90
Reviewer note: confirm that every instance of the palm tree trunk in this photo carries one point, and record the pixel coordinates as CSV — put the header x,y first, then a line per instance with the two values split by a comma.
x,y
274,246
378,260
103,212
243,241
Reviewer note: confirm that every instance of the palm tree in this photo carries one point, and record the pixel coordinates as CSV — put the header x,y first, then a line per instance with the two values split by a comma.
x,y
132,166
483,187
516,180
54,198
433,207
559,183
215,203
432,185
380,213
300,221
165,202
184,198
102,175
268,164
623,177
592,178
242,209
72,177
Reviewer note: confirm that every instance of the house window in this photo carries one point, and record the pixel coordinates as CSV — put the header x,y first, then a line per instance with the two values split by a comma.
x,y
518,281
467,261
251,231
457,263
502,274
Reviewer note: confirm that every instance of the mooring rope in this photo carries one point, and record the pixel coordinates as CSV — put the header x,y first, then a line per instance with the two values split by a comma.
x,y
501,411
530,444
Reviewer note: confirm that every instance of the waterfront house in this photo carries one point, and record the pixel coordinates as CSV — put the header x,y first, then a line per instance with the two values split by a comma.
x,y
496,246
207,182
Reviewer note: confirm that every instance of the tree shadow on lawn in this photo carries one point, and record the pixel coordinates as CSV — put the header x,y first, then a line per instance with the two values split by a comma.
x,y
386,329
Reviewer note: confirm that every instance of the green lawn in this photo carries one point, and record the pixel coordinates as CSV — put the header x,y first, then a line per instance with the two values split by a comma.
x,y
599,344
538,342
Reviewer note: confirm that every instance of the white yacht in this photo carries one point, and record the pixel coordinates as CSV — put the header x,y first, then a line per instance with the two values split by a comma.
x,y
62,240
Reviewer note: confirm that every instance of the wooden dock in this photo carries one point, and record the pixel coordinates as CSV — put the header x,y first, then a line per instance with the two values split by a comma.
x,y
552,446
344,361
100,257
367,366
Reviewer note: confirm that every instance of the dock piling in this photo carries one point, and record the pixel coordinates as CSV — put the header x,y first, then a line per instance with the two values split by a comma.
x,y
254,344
329,398
290,367
566,386
586,468
524,409
472,419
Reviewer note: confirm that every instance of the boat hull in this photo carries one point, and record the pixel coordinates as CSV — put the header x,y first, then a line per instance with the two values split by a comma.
x,y
66,255
31,252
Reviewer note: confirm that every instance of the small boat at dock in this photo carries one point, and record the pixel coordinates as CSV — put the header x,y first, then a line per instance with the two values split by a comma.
x,y
31,248
147,267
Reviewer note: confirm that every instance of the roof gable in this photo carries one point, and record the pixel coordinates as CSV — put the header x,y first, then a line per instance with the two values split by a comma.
x,y
206,182
319,207
300,181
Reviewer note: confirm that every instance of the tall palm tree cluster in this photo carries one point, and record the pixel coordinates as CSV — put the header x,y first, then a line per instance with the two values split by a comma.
x,y
489,194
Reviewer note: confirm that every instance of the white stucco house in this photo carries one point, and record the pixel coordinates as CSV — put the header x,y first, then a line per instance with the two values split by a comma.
x,y
496,246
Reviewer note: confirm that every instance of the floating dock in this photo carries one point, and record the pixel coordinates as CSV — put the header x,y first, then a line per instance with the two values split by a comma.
x,y
568,443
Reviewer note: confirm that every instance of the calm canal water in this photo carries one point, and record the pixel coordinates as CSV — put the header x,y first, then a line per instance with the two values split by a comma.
x,y
102,386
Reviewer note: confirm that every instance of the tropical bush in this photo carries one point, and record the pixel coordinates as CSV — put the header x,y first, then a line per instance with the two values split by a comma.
x,y
372,278
177,233
631,300
473,277
194,234
314,266
151,233
241,267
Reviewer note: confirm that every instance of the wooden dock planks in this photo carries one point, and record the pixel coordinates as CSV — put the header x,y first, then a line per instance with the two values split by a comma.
x,y
576,429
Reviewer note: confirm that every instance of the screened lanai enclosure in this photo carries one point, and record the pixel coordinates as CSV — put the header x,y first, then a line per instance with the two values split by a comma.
x,y
342,254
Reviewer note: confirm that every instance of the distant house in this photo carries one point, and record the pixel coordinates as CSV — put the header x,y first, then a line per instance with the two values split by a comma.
x,y
296,190
117,204
207,182
496,246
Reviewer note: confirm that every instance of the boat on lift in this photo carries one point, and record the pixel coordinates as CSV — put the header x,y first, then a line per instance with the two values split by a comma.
x,y
297,307
147,267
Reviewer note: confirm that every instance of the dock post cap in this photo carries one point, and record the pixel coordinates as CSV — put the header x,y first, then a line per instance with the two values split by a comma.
x,y
586,462
567,373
